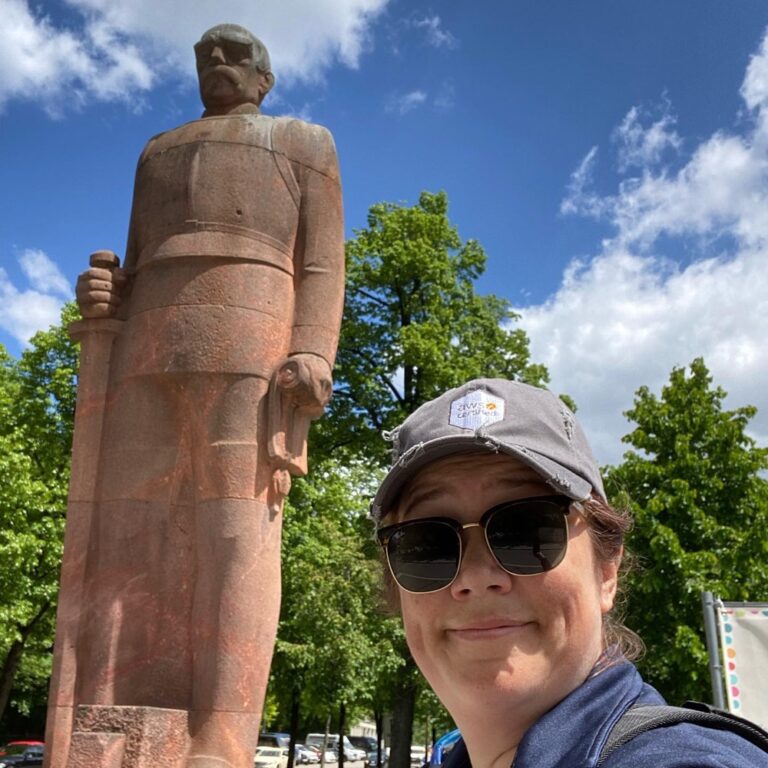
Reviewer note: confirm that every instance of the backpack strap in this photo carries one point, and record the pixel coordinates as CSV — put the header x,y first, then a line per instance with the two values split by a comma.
x,y
639,719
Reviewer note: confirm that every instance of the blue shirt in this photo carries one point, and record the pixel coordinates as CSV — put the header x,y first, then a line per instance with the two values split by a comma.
x,y
572,734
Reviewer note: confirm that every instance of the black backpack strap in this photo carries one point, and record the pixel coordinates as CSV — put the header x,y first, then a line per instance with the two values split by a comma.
x,y
639,719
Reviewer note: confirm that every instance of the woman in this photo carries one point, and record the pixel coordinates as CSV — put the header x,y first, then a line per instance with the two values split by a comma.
x,y
506,557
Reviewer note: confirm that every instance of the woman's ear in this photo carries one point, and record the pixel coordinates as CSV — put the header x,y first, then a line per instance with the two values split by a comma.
x,y
609,581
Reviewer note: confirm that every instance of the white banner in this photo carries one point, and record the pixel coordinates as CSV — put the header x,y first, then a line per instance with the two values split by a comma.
x,y
744,641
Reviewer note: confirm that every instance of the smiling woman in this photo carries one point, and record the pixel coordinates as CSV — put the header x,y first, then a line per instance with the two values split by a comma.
x,y
505,557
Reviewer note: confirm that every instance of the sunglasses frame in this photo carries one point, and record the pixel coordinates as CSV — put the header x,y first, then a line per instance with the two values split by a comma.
x,y
383,535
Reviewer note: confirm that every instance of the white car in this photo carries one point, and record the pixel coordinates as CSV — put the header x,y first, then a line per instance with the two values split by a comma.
x,y
305,755
270,757
418,755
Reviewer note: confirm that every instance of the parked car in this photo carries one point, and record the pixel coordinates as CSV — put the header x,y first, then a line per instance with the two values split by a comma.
x,y
330,755
22,754
366,743
282,740
353,754
418,755
372,758
22,742
271,757
304,755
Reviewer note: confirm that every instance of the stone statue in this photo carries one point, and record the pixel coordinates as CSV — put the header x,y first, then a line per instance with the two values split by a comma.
x,y
214,344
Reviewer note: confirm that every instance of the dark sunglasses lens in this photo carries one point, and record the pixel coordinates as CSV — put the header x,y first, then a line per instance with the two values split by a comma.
x,y
528,538
424,556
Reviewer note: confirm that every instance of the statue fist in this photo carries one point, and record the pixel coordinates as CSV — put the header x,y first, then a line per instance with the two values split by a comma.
x,y
99,288
308,378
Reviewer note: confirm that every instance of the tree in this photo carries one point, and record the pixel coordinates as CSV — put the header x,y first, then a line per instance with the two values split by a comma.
x,y
332,639
37,399
694,484
413,327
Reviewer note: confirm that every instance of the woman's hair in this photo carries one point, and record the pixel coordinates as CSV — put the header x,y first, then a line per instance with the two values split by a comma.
x,y
607,528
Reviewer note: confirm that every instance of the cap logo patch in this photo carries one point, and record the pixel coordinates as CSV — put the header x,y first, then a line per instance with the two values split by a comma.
x,y
476,409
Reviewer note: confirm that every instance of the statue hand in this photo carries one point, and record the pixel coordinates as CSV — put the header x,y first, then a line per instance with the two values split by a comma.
x,y
308,378
99,288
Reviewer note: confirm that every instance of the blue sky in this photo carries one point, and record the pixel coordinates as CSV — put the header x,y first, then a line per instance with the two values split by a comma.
x,y
611,157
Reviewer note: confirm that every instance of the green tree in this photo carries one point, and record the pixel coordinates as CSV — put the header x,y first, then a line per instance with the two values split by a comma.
x,y
37,400
694,484
413,327
413,324
332,639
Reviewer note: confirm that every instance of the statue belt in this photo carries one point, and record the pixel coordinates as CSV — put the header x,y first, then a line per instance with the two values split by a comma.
x,y
217,240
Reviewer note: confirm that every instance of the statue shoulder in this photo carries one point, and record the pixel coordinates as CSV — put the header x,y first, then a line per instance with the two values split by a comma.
x,y
161,140
308,144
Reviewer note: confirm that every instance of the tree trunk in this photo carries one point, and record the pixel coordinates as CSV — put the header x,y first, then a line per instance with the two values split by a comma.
x,y
402,718
378,716
342,725
13,658
294,729
325,740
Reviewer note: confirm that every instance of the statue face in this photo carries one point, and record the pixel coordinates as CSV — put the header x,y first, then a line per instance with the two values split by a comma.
x,y
227,73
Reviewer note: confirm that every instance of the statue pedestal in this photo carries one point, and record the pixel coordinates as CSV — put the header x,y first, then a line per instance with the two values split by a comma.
x,y
128,737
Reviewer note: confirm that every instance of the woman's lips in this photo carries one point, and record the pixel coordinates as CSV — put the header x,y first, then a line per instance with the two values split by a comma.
x,y
488,629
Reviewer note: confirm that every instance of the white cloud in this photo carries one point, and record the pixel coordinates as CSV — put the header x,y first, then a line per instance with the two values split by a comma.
x,y
55,66
405,102
23,312
579,198
121,49
629,314
402,103
644,147
44,274
437,36
754,89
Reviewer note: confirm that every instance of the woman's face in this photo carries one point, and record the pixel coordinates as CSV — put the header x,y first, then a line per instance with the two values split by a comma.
x,y
492,639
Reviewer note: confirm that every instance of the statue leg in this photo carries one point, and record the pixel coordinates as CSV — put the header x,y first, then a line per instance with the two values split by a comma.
x,y
236,600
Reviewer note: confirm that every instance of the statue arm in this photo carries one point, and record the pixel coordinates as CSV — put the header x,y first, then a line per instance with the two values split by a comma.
x,y
131,249
319,256
301,385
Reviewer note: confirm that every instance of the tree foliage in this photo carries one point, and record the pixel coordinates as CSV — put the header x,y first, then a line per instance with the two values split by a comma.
x,y
413,324
37,400
332,639
695,486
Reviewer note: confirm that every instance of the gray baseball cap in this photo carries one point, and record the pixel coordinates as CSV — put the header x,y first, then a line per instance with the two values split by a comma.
x,y
499,416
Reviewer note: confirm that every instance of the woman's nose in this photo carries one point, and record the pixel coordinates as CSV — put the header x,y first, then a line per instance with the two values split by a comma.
x,y
478,570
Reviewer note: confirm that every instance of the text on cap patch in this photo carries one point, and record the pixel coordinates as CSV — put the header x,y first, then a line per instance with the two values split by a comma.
x,y
476,409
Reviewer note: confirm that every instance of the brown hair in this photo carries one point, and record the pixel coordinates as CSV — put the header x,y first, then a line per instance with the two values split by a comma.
x,y
607,528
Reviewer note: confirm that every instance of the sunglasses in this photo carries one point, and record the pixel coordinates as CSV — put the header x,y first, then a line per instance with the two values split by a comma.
x,y
526,537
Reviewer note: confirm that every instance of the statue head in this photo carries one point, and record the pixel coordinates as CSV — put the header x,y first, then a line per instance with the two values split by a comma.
x,y
233,68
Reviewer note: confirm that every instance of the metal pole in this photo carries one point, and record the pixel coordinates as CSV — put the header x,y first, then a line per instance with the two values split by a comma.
x,y
708,604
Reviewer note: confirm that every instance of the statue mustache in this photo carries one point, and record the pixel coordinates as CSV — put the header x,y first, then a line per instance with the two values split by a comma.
x,y
223,70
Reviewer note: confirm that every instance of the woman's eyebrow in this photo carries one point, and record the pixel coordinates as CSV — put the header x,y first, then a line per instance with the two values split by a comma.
x,y
420,496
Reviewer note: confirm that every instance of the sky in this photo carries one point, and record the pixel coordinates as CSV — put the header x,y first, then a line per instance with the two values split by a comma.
x,y
611,156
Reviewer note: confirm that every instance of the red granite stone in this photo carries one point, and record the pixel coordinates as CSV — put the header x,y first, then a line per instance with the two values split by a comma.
x,y
203,360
